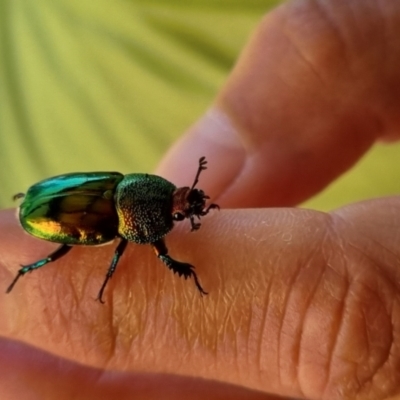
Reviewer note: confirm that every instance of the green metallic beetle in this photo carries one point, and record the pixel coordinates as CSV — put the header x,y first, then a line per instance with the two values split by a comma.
x,y
97,207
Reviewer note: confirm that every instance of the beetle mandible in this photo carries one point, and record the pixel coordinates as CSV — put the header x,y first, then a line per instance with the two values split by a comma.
x,y
97,207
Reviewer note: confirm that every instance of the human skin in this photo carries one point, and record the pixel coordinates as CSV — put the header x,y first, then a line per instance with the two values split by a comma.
x,y
301,304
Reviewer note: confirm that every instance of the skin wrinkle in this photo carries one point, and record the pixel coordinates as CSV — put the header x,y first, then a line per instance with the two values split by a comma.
x,y
113,328
76,293
385,360
284,314
54,314
381,28
335,344
263,330
382,246
202,330
115,333
391,348
325,14
374,370
237,364
359,251
336,336
213,349
64,322
336,237
336,224
354,25
356,362
241,371
297,47
371,39
359,35
253,345
355,377
214,343
229,311
377,26
161,310
306,308
220,301
384,43
227,320
329,28
192,332
236,296
249,347
375,264
251,316
144,319
153,311
149,348
328,267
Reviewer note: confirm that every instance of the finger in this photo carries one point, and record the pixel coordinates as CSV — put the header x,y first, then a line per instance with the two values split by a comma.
x,y
29,373
300,303
314,88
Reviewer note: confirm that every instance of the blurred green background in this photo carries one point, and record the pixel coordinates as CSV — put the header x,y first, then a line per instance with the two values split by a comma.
x,y
108,85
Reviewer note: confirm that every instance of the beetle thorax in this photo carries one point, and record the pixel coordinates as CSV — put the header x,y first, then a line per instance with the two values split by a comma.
x,y
144,204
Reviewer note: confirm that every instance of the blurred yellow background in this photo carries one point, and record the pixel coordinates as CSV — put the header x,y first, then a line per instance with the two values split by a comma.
x,y
109,85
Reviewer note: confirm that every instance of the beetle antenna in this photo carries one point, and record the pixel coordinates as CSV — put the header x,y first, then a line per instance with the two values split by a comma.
x,y
202,167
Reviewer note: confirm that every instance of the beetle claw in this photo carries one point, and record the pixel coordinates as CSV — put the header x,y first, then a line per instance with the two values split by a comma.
x,y
195,225
100,298
117,255
182,269
101,291
19,274
211,207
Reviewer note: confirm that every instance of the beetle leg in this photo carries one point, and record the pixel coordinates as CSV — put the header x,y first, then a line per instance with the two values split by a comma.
x,y
195,226
18,196
117,255
175,266
61,251
210,207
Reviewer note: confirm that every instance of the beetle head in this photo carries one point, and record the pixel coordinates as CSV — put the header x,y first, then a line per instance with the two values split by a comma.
x,y
190,202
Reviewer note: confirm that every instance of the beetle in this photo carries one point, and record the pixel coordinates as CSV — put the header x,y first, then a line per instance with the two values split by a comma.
x,y
97,207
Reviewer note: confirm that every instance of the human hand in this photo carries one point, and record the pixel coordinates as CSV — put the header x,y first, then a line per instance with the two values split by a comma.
x,y
301,303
